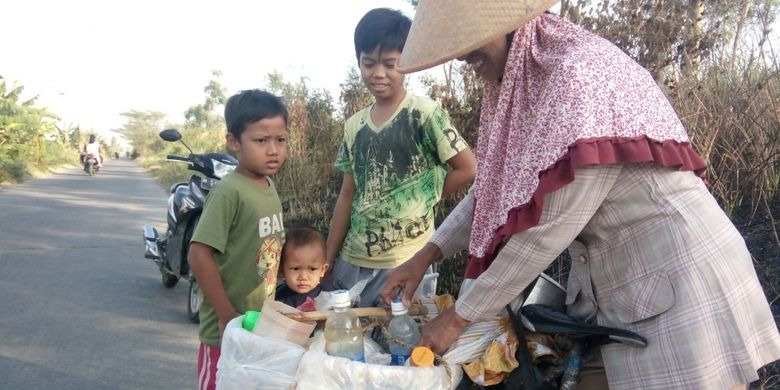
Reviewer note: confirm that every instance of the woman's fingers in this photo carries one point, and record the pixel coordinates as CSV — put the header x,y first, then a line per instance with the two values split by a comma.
x,y
442,331
403,279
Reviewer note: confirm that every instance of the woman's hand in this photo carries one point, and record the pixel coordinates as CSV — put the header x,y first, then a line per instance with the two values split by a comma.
x,y
407,276
442,331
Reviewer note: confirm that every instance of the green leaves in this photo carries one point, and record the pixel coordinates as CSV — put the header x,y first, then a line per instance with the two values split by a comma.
x,y
22,130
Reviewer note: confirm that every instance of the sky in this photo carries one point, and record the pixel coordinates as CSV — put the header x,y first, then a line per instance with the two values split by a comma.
x,y
89,61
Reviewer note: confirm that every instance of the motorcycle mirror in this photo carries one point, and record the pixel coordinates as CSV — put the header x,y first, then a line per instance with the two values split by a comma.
x,y
173,135
170,135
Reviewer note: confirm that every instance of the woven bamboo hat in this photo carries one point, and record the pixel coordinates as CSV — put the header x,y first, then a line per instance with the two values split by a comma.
x,y
446,29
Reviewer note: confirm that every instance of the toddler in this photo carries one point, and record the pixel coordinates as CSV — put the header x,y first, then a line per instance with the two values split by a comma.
x,y
303,265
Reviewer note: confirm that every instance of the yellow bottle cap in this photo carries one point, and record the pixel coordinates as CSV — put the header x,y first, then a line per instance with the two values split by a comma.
x,y
421,357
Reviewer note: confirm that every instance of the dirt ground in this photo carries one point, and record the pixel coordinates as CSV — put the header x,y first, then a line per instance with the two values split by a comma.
x,y
763,244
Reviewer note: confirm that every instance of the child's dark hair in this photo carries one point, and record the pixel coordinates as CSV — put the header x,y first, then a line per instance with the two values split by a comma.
x,y
250,106
381,27
300,236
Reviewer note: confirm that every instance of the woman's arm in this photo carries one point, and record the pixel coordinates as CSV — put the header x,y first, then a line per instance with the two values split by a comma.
x,y
339,223
452,236
526,254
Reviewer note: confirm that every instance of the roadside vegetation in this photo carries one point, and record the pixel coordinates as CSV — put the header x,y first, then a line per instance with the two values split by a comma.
x,y
714,59
31,141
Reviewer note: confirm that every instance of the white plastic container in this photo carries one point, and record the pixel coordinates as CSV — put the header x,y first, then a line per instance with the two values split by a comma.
x,y
427,287
273,323
343,333
403,329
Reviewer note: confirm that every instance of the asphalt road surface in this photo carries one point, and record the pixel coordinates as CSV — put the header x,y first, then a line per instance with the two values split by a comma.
x,y
80,307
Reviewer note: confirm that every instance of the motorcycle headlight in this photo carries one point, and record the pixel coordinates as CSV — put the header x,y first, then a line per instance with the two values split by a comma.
x,y
221,169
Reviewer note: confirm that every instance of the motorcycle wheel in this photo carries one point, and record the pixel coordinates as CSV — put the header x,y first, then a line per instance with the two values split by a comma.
x,y
193,298
168,280
91,169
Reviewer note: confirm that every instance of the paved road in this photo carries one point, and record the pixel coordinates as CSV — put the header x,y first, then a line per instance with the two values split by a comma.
x,y
80,307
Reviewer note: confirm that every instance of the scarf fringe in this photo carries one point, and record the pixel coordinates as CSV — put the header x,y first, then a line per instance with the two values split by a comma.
x,y
585,152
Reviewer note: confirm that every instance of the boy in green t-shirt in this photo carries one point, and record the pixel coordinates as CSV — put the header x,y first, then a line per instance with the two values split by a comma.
x,y
394,158
235,248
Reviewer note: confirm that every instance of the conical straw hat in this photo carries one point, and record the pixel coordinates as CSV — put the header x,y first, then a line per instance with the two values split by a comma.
x,y
446,29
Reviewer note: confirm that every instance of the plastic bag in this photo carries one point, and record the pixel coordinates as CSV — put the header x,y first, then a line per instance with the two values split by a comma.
x,y
497,361
249,361
324,300
317,370
473,342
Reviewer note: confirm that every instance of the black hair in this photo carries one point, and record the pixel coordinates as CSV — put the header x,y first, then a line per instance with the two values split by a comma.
x,y
381,27
301,236
92,138
250,106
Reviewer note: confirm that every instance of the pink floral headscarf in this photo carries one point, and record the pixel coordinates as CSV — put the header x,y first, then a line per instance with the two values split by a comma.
x,y
567,99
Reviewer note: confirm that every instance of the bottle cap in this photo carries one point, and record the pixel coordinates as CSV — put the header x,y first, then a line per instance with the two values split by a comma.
x,y
250,320
341,298
398,308
421,357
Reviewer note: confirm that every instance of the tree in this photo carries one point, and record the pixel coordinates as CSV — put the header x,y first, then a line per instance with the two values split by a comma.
x,y
306,181
204,115
141,129
670,38
354,94
23,128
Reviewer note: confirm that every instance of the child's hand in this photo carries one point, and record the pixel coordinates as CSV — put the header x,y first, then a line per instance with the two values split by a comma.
x,y
224,320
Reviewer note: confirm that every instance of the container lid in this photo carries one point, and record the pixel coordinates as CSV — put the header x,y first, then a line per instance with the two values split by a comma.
x,y
421,357
341,298
398,308
250,320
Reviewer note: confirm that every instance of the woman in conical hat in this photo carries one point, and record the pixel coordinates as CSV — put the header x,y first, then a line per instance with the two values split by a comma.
x,y
578,148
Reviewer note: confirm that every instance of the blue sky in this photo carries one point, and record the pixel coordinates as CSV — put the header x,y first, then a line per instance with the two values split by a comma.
x,y
88,61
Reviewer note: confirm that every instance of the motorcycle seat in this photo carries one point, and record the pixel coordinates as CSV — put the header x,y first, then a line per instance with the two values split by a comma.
x,y
544,319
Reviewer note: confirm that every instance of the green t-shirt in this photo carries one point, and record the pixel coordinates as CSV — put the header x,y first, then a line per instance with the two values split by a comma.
x,y
242,221
399,170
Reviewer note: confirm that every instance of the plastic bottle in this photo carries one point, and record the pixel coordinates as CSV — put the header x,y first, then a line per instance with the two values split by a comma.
x,y
571,376
405,334
343,333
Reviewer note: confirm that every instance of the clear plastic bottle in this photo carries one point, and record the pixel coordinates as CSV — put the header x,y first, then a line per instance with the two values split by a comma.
x,y
403,329
343,333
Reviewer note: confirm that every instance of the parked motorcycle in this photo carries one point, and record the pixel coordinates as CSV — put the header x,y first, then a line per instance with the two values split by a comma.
x,y
91,164
185,205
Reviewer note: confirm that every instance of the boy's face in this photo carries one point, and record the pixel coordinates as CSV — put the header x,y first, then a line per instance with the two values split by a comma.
x,y
379,75
303,267
261,149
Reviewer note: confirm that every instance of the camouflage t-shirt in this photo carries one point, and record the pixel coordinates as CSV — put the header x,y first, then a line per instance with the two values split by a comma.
x,y
399,171
242,221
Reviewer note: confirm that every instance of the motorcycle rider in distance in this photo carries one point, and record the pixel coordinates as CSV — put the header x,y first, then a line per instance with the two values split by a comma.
x,y
93,147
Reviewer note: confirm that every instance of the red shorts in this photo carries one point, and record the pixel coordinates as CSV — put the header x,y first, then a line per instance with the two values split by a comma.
x,y
207,367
